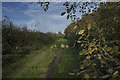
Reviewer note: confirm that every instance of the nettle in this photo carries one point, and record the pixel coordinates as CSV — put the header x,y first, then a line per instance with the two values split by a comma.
x,y
98,55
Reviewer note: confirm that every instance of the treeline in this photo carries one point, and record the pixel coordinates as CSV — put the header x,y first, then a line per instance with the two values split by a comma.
x,y
97,37
19,41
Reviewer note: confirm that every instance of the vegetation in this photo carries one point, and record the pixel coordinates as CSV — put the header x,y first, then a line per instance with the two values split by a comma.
x,y
40,67
94,37
6,71
69,62
97,37
19,41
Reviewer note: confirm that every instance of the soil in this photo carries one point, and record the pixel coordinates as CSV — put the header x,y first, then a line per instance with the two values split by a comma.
x,y
53,64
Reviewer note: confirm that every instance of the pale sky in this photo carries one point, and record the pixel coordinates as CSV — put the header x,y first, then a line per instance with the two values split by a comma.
x,y
25,13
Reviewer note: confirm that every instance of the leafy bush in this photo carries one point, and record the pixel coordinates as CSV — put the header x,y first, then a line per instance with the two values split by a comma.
x,y
98,56
96,36
19,41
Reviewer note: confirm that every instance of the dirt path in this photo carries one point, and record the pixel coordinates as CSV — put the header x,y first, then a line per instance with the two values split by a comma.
x,y
53,64
27,63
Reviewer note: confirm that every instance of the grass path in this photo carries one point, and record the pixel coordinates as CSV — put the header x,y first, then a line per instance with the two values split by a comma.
x,y
53,64
28,63
9,70
45,63
68,63
39,66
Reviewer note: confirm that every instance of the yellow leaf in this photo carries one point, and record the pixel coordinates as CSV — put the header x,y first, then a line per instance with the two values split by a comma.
x,y
82,45
88,57
86,75
66,46
95,48
116,72
82,67
99,57
75,27
90,52
89,26
78,41
62,45
51,47
94,64
81,32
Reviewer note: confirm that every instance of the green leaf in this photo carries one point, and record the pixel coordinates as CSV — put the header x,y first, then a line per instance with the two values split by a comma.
x,y
102,61
59,71
86,75
93,43
67,16
63,13
106,53
82,67
78,73
81,53
105,76
110,70
68,10
89,26
80,37
16,47
115,73
94,64
71,74
78,41
88,57
108,48
83,71
99,57
90,52
81,32
82,45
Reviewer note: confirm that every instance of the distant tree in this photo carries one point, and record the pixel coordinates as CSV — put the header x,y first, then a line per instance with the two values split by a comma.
x,y
59,32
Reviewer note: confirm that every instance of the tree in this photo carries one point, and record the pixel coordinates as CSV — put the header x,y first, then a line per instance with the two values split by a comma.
x,y
97,35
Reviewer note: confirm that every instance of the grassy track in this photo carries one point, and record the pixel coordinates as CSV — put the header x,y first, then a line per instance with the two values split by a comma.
x,y
38,63
9,71
39,68
67,64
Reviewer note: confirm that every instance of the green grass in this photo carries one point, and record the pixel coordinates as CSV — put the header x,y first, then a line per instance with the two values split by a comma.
x,y
67,64
8,69
40,67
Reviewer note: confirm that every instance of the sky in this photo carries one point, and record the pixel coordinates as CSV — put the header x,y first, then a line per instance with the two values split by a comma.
x,y
31,14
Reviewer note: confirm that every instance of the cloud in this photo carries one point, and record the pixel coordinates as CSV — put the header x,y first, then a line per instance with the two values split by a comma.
x,y
32,14
0,10
19,0
49,21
